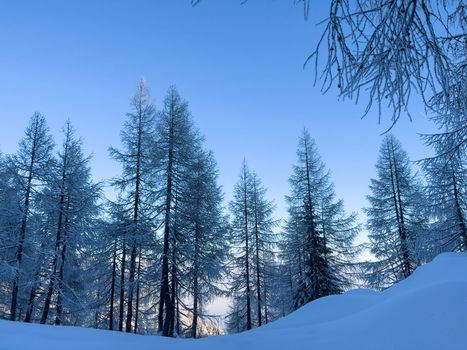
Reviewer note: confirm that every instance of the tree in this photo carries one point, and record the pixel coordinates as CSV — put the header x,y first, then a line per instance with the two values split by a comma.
x,y
175,140
10,217
30,166
135,185
71,203
395,48
395,216
240,240
446,182
319,237
206,232
263,243
447,198
252,243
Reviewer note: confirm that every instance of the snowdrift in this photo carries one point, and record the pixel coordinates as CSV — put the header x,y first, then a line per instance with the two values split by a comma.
x,y
426,311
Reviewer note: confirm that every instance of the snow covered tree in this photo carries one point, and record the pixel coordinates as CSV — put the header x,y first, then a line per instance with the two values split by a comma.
x,y
206,231
30,166
175,142
240,240
396,221
395,48
319,236
70,202
447,198
10,214
263,242
252,243
135,185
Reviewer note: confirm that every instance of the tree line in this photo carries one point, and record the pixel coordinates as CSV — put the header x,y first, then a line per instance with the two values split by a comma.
x,y
151,260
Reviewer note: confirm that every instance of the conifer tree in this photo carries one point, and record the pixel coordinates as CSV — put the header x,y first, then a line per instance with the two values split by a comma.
x,y
175,141
263,243
206,231
446,176
10,216
30,167
319,236
135,185
70,202
240,240
395,216
252,241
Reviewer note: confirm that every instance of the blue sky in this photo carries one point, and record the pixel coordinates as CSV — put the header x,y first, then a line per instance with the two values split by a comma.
x,y
239,66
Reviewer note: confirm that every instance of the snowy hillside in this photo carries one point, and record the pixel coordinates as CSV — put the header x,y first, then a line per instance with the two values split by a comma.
x,y
426,311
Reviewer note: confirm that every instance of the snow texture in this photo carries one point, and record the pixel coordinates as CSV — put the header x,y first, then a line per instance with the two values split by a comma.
x,y
426,311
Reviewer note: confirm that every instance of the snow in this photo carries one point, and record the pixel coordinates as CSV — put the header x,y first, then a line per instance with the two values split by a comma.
x,y
428,310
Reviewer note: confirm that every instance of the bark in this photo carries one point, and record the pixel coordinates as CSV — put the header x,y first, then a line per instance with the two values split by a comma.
x,y
407,270
60,285
136,208
460,217
165,299
171,315
194,323
258,277
131,282
137,293
247,260
53,277
33,294
24,220
122,288
112,287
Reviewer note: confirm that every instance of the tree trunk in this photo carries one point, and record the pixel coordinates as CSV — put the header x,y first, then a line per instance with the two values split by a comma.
x,y
164,299
170,319
137,292
122,287
58,318
53,277
247,249
112,287
135,228
30,307
406,268
258,278
194,323
460,217
33,294
48,298
131,282
24,220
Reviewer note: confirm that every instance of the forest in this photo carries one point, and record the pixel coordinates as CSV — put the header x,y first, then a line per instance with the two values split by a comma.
x,y
148,250
151,260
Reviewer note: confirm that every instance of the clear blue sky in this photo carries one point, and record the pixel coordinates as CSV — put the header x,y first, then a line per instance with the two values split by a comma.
x,y
239,66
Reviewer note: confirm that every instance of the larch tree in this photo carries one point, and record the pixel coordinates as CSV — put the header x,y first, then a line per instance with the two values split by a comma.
x,y
70,202
252,241
135,187
175,141
30,166
447,197
241,315
263,244
206,228
319,235
396,220
10,217
397,50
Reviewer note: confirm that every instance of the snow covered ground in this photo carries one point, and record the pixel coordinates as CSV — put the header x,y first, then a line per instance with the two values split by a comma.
x,y
426,311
